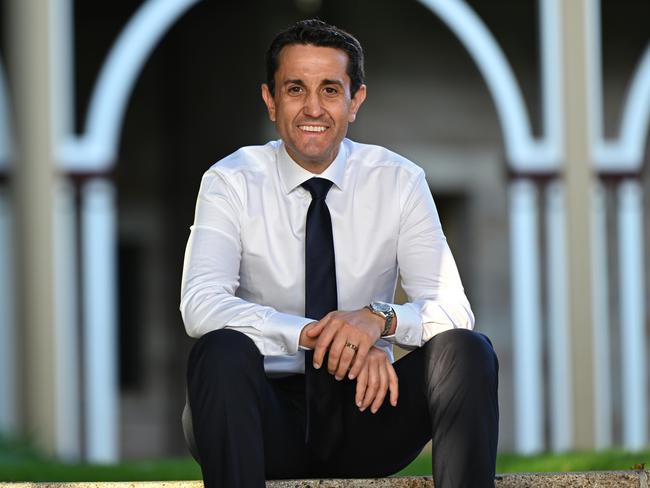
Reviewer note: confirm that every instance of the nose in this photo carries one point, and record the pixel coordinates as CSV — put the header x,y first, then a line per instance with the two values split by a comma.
x,y
313,107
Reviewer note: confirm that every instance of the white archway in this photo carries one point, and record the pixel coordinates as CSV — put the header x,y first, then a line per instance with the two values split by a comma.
x,y
95,152
525,153
625,154
96,149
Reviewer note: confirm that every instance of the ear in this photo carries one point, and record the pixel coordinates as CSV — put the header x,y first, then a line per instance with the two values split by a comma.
x,y
356,102
268,100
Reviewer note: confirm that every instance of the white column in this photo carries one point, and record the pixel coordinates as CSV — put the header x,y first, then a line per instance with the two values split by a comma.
x,y
632,309
602,352
578,180
66,320
8,340
100,320
30,27
526,317
558,329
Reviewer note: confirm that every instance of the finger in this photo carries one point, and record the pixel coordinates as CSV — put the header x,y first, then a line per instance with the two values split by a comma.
x,y
362,382
381,392
336,351
324,340
347,355
315,328
372,387
359,362
393,385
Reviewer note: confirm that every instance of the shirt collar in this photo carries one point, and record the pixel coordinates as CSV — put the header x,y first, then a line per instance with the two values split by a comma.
x,y
292,175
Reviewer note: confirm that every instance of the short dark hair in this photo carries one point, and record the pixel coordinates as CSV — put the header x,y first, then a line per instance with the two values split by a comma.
x,y
317,33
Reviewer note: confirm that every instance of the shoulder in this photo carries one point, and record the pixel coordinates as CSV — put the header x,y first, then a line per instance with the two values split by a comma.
x,y
248,159
246,166
373,157
377,168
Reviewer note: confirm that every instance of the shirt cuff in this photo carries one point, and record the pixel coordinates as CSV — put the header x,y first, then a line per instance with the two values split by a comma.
x,y
282,333
409,326
385,344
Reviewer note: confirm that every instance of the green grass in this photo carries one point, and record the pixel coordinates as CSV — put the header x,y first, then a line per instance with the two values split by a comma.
x,y
168,469
610,460
20,462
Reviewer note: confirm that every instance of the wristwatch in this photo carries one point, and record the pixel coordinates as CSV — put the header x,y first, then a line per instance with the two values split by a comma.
x,y
385,311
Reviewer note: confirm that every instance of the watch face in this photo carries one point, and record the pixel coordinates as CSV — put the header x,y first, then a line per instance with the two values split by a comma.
x,y
381,307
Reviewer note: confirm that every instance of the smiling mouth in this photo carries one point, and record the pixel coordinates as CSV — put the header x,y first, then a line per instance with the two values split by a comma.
x,y
313,128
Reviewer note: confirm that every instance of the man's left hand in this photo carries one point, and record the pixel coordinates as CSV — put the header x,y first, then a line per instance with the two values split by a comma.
x,y
337,332
377,378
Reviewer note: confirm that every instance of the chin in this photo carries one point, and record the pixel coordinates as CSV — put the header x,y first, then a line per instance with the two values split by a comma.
x,y
320,154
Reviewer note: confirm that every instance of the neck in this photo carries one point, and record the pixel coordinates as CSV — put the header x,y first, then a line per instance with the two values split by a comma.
x,y
312,165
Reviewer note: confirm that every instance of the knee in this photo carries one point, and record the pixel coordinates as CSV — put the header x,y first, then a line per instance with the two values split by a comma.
x,y
465,351
224,371
226,349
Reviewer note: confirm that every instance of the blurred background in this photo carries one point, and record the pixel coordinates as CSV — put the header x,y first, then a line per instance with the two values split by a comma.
x,y
529,117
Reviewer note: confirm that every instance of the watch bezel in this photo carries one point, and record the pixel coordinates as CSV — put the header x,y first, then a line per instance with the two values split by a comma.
x,y
381,307
384,310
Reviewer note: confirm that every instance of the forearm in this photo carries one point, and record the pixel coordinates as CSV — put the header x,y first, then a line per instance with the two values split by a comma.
x,y
273,332
430,278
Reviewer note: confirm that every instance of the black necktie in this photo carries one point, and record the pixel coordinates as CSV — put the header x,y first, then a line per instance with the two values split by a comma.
x,y
323,400
320,267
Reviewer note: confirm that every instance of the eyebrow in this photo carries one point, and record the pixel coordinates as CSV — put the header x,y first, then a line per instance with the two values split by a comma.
x,y
332,82
323,82
294,82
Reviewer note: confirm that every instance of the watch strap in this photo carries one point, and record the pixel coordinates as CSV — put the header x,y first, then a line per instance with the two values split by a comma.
x,y
389,323
387,316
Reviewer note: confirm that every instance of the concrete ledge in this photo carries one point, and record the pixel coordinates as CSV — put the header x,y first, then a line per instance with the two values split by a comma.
x,y
600,479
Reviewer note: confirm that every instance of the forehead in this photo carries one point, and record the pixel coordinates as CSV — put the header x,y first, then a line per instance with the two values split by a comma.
x,y
300,61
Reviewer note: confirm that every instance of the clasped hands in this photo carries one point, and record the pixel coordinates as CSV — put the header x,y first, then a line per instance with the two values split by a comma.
x,y
335,334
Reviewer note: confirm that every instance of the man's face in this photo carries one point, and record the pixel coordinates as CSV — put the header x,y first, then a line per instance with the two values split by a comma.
x,y
312,106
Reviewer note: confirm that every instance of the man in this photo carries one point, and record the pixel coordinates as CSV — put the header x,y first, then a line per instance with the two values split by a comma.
x,y
289,275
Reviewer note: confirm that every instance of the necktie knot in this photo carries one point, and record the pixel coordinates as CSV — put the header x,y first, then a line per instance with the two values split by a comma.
x,y
318,187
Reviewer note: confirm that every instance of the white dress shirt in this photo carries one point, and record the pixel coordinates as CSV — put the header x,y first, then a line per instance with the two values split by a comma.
x,y
244,264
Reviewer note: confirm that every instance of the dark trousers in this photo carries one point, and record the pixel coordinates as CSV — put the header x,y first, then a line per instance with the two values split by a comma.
x,y
249,427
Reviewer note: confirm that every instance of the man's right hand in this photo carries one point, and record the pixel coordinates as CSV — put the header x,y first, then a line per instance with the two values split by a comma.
x,y
377,377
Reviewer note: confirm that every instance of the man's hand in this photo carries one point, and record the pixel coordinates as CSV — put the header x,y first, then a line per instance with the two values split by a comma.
x,y
376,378
359,328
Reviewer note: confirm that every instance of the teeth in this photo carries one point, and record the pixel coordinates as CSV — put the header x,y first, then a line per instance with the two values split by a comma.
x,y
313,128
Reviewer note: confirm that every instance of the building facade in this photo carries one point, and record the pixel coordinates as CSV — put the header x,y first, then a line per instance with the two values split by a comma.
x,y
530,119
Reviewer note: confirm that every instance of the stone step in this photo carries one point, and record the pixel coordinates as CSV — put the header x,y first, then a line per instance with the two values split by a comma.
x,y
600,479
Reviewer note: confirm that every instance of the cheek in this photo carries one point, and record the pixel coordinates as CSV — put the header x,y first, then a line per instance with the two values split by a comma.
x,y
341,113
286,115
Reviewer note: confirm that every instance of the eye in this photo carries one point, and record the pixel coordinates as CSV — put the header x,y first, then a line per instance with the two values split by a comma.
x,y
331,91
294,90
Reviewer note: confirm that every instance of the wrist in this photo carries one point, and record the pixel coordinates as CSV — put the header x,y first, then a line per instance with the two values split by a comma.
x,y
385,312
376,320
